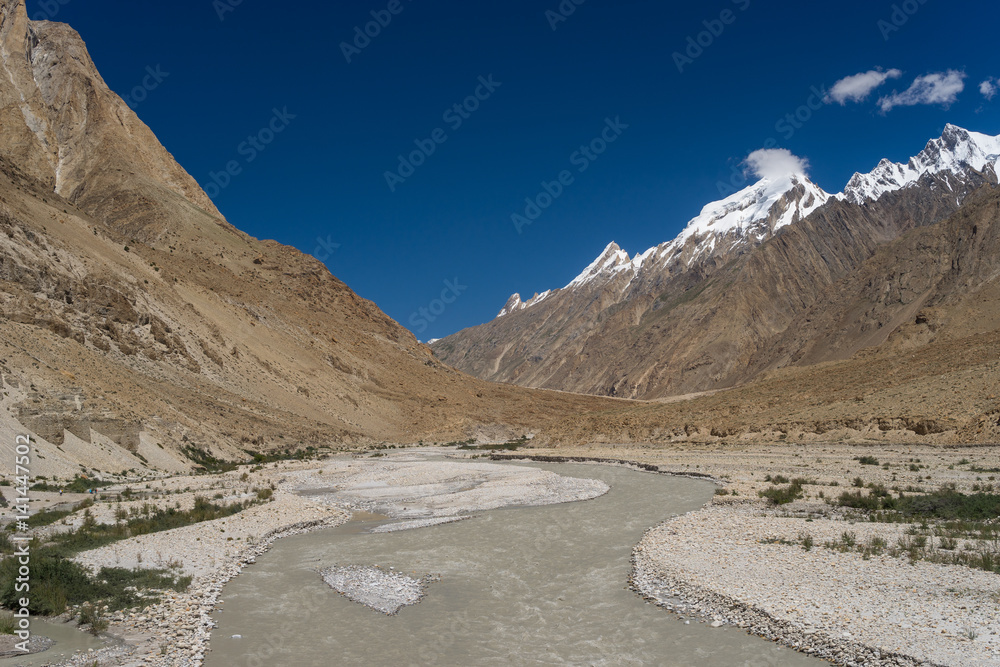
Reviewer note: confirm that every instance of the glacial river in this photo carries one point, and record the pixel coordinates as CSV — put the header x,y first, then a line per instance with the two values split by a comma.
x,y
520,586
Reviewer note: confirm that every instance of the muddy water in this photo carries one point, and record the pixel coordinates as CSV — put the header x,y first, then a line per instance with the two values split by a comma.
x,y
522,586
68,641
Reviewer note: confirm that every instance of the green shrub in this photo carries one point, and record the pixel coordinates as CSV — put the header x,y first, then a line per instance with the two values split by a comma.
x,y
782,495
866,460
859,500
949,504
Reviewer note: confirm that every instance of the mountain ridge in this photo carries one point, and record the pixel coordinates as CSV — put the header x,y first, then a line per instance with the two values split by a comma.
x,y
777,197
131,310
610,310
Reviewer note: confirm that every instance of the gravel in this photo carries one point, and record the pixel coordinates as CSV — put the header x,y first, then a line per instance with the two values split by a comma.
x,y
416,523
385,592
418,489
715,564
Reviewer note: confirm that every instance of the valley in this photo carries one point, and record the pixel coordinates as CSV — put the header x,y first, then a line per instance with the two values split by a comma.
x,y
769,439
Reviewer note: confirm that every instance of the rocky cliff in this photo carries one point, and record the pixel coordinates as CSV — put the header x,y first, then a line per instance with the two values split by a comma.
x,y
130,309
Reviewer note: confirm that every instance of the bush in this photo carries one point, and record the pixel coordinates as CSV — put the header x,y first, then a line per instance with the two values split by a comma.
x,y
949,504
58,583
82,485
91,616
782,495
866,460
859,500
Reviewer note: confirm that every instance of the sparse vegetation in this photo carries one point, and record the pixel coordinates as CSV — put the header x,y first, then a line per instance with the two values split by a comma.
x,y
79,484
58,582
47,517
207,461
938,523
511,445
783,495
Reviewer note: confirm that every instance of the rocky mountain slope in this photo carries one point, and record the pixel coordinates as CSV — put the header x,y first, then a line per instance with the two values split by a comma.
x,y
136,321
730,297
138,326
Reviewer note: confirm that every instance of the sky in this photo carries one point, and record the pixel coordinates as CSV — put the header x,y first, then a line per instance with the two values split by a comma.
x,y
619,120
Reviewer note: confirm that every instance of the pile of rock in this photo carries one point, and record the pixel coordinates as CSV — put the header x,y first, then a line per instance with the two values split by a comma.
x,y
375,588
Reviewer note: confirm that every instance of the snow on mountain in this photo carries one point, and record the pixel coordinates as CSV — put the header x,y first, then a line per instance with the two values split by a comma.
x,y
745,212
757,212
754,213
514,303
956,150
613,260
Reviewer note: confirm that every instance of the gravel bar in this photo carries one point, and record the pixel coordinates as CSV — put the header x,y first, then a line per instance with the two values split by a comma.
x,y
385,592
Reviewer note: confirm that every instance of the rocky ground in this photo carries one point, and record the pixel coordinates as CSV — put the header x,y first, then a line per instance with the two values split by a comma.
x,y
741,562
427,485
737,562
385,592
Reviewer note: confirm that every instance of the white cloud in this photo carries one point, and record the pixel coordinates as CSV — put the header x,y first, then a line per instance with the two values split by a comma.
x,y
858,87
989,88
935,88
775,163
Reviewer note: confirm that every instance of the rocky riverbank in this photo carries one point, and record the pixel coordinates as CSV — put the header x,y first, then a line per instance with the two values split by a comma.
x,y
743,566
800,575
735,562
420,489
36,644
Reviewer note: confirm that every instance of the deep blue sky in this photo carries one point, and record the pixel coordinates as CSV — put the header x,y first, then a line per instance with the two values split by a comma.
x,y
323,176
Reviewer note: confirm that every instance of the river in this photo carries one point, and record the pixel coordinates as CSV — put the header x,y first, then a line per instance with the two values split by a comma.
x,y
518,586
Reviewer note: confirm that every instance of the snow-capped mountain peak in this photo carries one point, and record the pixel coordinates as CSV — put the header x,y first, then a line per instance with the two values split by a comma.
x,y
749,217
954,151
514,303
760,209
613,260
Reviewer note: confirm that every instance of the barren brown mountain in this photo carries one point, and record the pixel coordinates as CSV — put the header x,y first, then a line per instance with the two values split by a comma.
x,y
130,306
708,312
136,322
